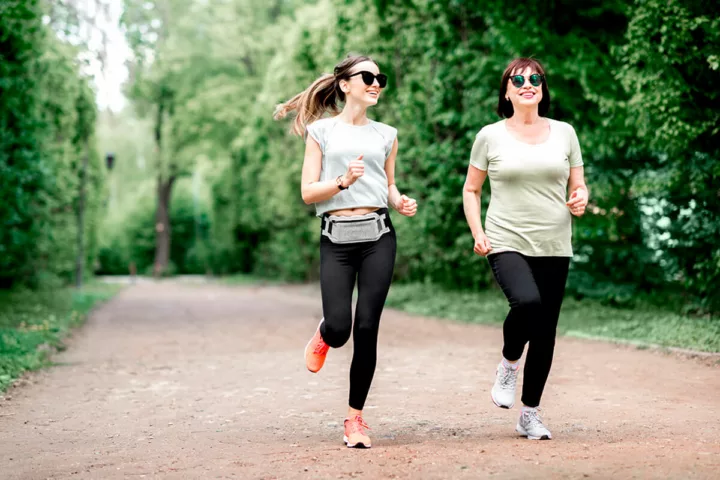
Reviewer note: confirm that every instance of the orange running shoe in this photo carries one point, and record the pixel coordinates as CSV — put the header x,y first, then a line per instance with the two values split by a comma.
x,y
316,351
355,436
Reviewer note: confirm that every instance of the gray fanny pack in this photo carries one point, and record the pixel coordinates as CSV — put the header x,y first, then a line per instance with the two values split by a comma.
x,y
356,229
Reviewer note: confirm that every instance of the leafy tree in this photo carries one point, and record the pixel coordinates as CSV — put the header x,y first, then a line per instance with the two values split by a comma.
x,y
46,121
634,79
670,69
24,215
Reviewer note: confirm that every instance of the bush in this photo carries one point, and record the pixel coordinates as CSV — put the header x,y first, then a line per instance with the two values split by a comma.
x,y
47,114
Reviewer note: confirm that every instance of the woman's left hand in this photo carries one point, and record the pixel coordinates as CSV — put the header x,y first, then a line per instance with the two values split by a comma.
x,y
578,201
407,206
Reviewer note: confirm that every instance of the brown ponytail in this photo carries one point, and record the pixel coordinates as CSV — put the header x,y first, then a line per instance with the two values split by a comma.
x,y
311,103
320,97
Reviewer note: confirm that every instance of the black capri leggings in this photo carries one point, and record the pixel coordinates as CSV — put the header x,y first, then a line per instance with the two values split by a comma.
x,y
534,287
371,264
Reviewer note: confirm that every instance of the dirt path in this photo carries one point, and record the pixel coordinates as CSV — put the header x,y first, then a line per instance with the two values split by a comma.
x,y
206,381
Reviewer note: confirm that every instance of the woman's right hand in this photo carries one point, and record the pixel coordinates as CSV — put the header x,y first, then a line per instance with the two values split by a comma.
x,y
482,244
355,170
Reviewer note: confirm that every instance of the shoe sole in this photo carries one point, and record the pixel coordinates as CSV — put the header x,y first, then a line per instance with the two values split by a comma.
x,y
308,346
501,406
355,445
524,433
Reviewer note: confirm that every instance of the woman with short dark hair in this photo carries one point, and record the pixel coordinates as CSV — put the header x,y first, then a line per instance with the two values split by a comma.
x,y
537,183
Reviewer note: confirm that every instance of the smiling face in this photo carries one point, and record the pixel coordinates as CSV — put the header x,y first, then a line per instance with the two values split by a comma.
x,y
527,95
523,86
356,90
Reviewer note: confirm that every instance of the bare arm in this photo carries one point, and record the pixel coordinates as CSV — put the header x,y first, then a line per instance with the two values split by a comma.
x,y
471,198
402,203
471,205
313,190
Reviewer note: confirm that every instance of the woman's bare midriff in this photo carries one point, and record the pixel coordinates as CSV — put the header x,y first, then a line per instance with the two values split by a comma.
x,y
349,212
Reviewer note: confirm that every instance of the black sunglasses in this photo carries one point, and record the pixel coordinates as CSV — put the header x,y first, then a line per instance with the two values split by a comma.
x,y
368,78
535,80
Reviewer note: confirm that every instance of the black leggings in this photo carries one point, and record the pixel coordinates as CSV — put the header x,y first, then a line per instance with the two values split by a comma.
x,y
371,264
534,287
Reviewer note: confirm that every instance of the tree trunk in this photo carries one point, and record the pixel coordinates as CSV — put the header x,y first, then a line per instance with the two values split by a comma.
x,y
162,225
164,189
80,259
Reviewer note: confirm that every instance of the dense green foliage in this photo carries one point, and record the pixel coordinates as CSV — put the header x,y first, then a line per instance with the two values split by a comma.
x,y
33,324
47,118
205,180
634,79
669,64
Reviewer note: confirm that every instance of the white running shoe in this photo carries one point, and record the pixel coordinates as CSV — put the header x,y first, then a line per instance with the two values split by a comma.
x,y
530,425
503,392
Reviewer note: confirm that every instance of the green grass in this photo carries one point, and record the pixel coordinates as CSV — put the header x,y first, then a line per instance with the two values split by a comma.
x,y
644,323
34,323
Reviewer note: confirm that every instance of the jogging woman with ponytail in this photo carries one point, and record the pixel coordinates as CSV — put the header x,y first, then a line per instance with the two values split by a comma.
x,y
349,174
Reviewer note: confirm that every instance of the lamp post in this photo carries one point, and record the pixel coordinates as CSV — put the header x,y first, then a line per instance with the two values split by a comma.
x,y
109,164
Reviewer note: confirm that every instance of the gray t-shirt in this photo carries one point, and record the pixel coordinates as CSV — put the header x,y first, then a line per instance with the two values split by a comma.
x,y
341,143
528,184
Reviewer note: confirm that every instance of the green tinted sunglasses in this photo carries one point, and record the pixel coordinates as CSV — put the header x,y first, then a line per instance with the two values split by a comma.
x,y
535,80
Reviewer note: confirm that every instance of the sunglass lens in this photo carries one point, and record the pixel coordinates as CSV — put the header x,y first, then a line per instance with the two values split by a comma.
x,y
367,78
382,80
517,80
535,80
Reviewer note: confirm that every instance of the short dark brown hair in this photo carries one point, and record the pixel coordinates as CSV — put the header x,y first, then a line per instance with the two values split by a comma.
x,y
505,108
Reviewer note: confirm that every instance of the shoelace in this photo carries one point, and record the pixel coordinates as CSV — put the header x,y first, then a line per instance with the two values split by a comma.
x,y
321,348
507,378
533,419
357,425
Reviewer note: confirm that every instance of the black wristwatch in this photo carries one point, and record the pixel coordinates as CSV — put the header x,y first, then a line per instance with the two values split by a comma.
x,y
338,180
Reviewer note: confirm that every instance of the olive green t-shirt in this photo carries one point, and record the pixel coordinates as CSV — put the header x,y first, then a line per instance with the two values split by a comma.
x,y
528,189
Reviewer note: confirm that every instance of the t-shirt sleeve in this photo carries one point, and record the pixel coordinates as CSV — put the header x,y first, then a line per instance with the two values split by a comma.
x,y
479,153
575,155
317,132
390,140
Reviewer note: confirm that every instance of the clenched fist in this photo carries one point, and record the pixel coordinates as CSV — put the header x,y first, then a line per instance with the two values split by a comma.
x,y
482,245
356,169
407,206
578,202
